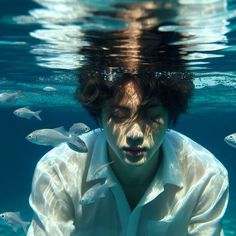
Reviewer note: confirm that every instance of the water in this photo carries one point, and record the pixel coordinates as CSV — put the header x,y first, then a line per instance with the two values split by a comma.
x,y
48,43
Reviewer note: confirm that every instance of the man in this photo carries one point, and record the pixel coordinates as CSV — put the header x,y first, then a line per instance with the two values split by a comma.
x,y
163,183
139,176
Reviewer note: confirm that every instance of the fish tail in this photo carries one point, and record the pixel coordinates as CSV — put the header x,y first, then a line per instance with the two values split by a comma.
x,y
36,115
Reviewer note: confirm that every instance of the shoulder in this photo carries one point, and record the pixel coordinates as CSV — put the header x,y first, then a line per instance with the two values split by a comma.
x,y
63,153
65,164
195,160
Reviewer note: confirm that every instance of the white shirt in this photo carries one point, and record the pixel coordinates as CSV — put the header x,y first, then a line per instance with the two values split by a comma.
x,y
188,195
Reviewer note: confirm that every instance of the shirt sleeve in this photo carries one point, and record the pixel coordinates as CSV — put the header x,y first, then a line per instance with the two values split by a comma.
x,y
51,204
208,213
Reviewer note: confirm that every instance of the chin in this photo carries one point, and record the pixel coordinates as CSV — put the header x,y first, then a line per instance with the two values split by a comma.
x,y
134,161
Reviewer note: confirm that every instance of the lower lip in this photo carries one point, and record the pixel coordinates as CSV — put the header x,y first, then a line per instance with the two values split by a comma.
x,y
134,153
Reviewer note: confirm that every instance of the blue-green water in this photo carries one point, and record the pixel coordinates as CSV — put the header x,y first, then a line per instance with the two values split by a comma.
x,y
19,157
41,45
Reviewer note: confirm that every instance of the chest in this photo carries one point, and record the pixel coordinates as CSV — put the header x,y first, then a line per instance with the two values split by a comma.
x,y
134,194
161,216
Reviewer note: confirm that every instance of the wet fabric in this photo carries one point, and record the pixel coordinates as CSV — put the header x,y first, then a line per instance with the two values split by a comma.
x,y
188,195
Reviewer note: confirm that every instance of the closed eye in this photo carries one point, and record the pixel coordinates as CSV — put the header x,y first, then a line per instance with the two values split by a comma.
x,y
120,113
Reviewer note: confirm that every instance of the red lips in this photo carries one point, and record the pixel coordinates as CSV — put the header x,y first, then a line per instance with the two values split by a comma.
x,y
134,151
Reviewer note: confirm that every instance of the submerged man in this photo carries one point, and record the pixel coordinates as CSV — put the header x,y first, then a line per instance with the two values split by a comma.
x,y
163,183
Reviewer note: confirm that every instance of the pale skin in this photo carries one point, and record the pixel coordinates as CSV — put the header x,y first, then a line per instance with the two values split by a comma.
x,y
134,135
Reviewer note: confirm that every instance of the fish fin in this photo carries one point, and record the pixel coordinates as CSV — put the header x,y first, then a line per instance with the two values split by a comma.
x,y
36,115
15,228
62,130
24,225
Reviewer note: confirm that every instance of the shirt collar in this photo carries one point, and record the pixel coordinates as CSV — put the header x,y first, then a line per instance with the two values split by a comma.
x,y
172,149
169,171
98,158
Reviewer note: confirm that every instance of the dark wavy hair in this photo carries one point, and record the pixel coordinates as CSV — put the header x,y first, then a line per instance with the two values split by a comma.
x,y
172,89
151,59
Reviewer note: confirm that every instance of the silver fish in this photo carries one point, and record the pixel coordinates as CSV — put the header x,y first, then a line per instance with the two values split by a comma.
x,y
231,140
78,129
9,97
95,192
14,220
26,113
49,89
54,137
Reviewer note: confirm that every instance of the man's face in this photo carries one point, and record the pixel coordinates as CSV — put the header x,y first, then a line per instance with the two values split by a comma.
x,y
134,133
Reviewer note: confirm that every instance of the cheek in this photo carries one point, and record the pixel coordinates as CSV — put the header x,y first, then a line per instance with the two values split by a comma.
x,y
160,135
156,135
114,131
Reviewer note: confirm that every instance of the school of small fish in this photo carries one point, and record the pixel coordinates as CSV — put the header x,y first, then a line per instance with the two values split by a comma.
x,y
54,137
49,137
231,140
14,220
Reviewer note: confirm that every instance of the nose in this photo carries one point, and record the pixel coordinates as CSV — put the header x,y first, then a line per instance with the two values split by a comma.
x,y
134,135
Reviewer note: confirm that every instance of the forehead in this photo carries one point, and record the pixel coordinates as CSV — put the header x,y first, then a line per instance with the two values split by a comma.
x,y
131,93
129,96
